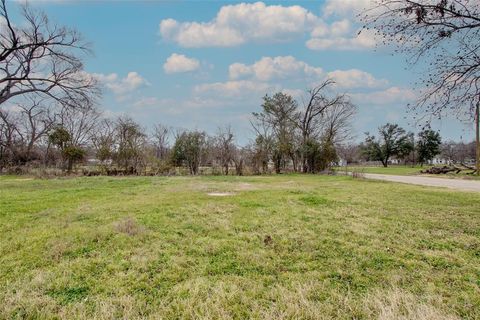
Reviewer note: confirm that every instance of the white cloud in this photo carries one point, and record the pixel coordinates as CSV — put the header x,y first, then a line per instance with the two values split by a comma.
x,y
364,40
269,68
288,67
149,106
355,78
343,34
240,88
250,22
123,86
239,70
340,28
392,95
180,63
146,102
106,78
295,93
241,23
346,7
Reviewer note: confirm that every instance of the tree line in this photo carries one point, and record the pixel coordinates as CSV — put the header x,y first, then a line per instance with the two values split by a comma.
x,y
307,137
289,136
49,118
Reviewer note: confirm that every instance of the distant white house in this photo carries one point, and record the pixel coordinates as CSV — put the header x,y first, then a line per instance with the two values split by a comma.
x,y
393,161
437,161
339,163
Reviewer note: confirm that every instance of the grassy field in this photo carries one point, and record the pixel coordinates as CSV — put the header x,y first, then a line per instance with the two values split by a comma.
x,y
400,170
272,247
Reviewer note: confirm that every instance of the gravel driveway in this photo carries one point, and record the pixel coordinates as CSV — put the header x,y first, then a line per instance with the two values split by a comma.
x,y
464,185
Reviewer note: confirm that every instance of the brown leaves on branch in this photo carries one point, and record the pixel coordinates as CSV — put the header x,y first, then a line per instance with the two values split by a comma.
x,y
443,37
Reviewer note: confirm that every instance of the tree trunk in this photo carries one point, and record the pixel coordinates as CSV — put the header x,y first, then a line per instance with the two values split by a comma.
x,y
69,165
239,167
477,130
278,163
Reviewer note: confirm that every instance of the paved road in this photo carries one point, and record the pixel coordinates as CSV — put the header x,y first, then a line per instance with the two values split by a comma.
x,y
465,185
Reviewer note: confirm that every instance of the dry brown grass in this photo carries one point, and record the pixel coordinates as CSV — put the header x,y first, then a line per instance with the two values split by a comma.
x,y
220,194
129,226
396,304
358,174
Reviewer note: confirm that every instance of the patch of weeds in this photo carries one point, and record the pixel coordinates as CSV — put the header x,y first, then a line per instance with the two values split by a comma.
x,y
68,295
226,263
314,200
170,213
426,244
440,263
57,249
251,204
199,229
160,182
347,281
79,252
296,192
129,226
129,193
380,261
358,174
79,217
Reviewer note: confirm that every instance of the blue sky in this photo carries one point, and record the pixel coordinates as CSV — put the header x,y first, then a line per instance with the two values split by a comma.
x,y
195,64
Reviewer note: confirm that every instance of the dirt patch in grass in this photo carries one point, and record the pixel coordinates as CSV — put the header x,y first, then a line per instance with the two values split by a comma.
x,y
221,194
245,187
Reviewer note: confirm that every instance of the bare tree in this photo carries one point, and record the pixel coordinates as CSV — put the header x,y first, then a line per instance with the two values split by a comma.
x,y
37,120
225,147
160,140
336,121
323,121
43,59
130,140
349,152
80,123
444,32
314,107
263,145
22,128
458,152
240,156
8,137
103,140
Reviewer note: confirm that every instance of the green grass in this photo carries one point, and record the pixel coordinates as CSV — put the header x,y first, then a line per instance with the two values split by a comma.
x,y
392,169
280,247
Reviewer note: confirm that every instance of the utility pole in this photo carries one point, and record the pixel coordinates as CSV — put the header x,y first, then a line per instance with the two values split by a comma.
x,y
477,129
